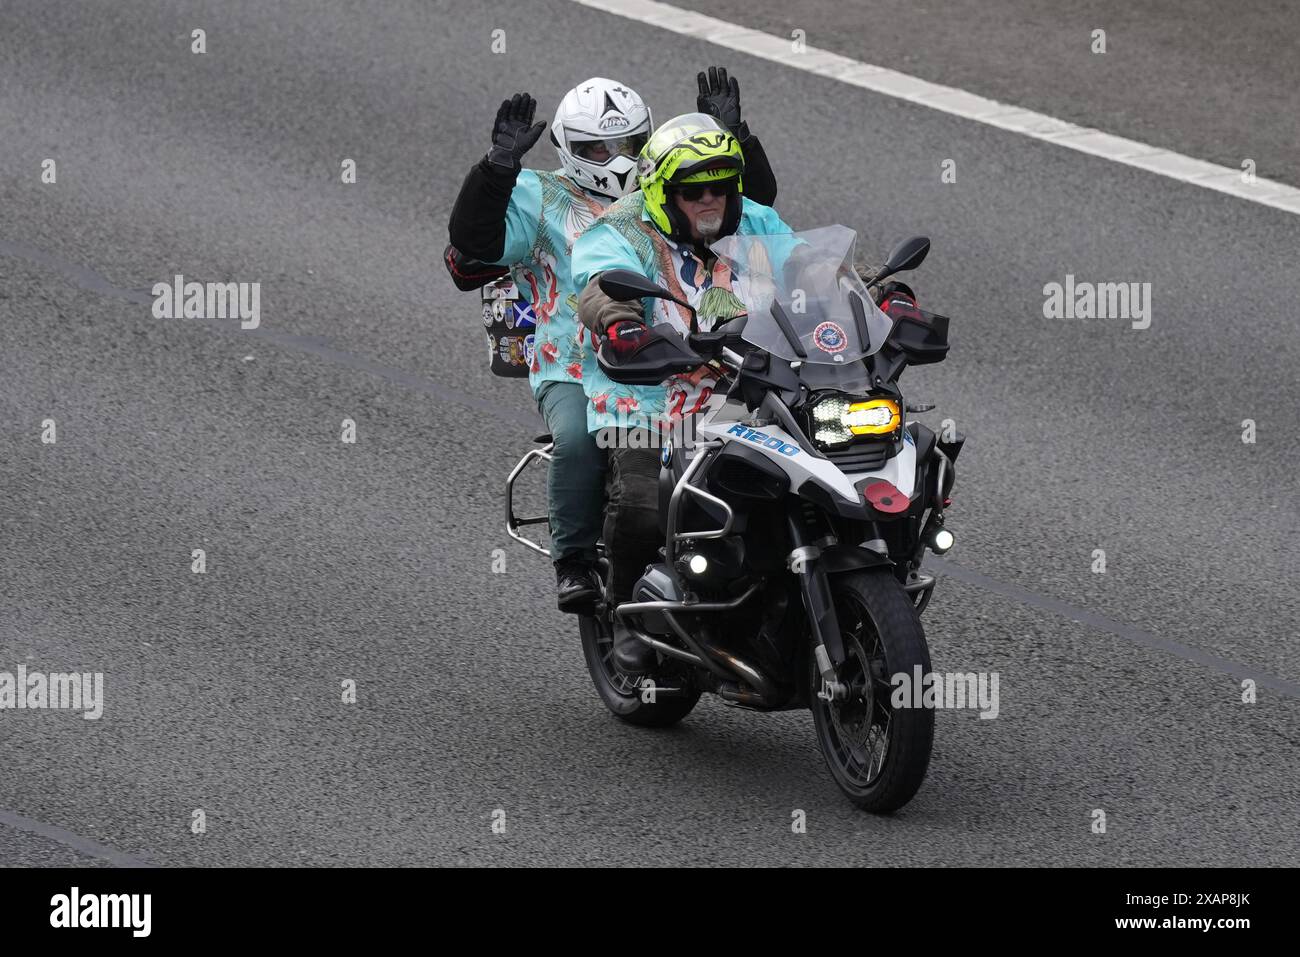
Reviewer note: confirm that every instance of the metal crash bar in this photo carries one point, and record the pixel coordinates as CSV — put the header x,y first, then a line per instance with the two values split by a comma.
x,y
674,506
513,524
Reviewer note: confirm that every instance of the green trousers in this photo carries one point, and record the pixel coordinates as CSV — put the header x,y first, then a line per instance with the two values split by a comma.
x,y
576,486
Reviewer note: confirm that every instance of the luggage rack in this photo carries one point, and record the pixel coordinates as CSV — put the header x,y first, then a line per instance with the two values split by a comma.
x,y
514,522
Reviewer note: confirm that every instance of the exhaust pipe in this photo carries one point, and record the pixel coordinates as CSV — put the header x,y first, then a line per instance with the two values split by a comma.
x,y
724,664
749,699
765,692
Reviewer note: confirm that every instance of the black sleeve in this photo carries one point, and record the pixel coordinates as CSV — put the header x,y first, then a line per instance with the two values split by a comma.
x,y
478,220
760,182
467,272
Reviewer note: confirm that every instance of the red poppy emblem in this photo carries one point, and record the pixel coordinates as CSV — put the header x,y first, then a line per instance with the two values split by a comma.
x,y
885,498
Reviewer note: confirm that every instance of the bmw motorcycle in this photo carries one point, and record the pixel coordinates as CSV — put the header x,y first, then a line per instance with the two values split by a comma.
x,y
797,516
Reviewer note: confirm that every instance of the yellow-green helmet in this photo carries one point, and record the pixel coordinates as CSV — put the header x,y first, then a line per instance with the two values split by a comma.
x,y
691,148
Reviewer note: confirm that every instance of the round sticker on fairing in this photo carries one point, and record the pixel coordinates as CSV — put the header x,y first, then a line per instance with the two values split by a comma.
x,y
829,337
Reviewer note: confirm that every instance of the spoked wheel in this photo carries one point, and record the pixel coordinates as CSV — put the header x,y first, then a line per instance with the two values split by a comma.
x,y
877,754
625,695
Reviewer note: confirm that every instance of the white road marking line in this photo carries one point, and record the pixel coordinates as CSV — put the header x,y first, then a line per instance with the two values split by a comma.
x,y
949,99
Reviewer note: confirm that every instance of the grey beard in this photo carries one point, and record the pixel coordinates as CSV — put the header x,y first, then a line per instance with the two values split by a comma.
x,y
709,226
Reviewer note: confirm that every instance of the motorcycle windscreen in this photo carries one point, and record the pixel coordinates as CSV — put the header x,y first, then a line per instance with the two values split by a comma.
x,y
803,296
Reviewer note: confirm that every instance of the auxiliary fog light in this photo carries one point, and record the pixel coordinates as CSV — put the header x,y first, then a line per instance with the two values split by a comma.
x,y
941,540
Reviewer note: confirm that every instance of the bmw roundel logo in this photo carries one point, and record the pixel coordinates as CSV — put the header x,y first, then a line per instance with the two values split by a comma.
x,y
666,453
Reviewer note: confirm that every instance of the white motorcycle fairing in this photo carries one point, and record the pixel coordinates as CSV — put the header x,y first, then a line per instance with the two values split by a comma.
x,y
723,421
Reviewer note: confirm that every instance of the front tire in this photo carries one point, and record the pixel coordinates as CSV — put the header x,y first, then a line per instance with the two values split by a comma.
x,y
876,753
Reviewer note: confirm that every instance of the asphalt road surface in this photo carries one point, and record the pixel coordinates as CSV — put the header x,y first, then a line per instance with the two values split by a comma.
x,y
372,562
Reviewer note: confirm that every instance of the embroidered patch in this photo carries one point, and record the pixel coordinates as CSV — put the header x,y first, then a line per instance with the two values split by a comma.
x,y
522,316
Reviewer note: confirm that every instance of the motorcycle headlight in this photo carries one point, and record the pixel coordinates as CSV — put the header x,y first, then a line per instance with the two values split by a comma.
x,y
839,419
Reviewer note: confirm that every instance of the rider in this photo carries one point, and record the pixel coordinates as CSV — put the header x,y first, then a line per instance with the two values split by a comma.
x,y
527,220
692,183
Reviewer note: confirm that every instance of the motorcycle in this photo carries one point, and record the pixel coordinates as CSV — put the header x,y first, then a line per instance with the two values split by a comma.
x,y
796,522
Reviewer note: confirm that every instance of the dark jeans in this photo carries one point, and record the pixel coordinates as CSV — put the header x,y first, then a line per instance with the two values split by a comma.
x,y
575,487
632,536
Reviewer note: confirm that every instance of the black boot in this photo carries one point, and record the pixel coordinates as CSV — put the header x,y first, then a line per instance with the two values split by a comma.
x,y
633,656
575,586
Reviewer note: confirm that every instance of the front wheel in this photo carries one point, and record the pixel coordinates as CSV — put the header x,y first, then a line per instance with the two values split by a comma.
x,y
878,754
625,696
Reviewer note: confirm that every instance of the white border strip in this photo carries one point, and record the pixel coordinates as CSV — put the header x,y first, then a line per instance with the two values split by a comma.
x,y
949,99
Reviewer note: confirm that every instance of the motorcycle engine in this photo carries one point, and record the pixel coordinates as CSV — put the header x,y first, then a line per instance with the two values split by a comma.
x,y
655,585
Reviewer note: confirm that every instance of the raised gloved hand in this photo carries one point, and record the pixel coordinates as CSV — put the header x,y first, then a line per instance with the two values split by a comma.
x,y
720,98
514,133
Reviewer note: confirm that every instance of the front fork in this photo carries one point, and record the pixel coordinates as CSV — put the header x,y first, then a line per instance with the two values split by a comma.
x,y
828,642
805,562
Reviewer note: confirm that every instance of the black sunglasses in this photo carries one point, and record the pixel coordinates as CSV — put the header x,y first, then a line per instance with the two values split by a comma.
x,y
695,191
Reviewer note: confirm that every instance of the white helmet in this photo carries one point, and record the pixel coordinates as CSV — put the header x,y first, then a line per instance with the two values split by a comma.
x,y
598,130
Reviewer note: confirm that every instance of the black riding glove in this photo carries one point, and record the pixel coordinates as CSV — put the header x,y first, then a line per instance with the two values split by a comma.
x,y
720,98
514,132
